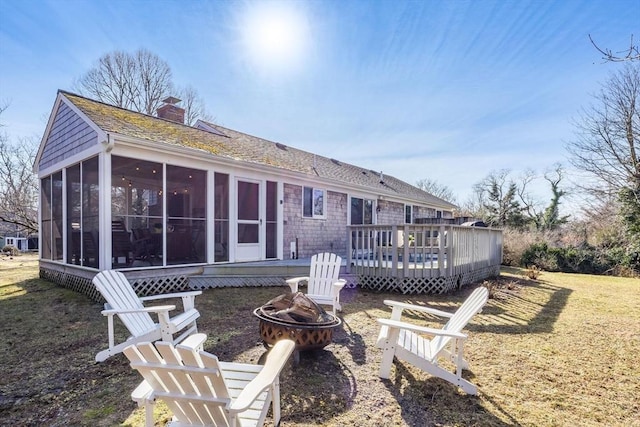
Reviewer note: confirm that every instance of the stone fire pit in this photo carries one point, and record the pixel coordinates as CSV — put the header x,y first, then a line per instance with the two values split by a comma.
x,y
295,316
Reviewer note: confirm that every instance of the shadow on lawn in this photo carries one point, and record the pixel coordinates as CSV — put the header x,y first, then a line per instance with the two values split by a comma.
x,y
535,311
439,402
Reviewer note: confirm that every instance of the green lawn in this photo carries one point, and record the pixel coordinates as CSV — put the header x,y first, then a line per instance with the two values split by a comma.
x,y
563,350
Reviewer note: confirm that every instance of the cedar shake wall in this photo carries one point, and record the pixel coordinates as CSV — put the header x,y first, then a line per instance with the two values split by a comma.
x,y
314,235
422,212
69,135
391,213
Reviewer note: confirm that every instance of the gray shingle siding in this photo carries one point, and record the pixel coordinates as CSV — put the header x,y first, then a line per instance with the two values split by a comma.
x,y
69,135
314,235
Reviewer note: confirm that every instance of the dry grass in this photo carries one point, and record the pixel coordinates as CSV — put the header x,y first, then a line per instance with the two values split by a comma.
x,y
562,350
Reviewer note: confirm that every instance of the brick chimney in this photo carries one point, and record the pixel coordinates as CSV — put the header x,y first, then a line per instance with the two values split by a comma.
x,y
170,111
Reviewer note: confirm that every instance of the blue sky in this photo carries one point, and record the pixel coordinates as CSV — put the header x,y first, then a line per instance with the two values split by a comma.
x,y
446,90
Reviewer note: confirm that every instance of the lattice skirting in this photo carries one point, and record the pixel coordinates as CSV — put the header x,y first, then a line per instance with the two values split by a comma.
x,y
71,281
141,286
210,282
434,285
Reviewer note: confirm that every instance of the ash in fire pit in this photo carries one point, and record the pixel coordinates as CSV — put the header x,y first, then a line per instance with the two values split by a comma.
x,y
296,316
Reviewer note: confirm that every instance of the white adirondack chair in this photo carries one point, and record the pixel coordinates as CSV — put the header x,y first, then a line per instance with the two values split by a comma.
x,y
407,342
202,391
323,284
122,300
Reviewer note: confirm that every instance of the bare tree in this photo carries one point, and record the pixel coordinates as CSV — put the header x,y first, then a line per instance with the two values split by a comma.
x,y
18,184
607,144
630,54
435,188
138,81
543,218
194,107
153,78
607,150
551,218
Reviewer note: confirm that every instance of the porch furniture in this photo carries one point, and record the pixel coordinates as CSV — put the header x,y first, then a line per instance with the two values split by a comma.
x,y
144,248
120,243
406,341
122,300
202,391
323,284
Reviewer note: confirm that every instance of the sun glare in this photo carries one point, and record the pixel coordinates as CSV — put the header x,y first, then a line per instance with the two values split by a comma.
x,y
275,35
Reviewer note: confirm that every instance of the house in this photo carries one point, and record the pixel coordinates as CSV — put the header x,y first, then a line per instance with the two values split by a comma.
x,y
129,191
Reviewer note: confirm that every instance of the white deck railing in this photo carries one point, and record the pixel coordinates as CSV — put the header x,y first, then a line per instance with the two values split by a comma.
x,y
422,251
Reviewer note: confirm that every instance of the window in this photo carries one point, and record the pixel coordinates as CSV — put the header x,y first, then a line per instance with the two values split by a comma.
x,y
361,211
408,217
313,200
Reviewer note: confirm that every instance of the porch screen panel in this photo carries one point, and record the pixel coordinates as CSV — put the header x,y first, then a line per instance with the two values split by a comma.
x,y
136,209
90,213
272,220
248,210
221,217
74,216
56,216
186,210
45,220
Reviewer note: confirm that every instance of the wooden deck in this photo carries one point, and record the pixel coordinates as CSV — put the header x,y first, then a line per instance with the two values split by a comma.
x,y
416,258
406,258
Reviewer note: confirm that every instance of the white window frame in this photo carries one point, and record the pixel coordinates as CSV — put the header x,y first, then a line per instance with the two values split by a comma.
x,y
374,214
314,191
410,208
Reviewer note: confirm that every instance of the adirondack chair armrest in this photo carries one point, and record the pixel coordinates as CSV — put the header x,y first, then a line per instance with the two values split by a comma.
x,y
422,329
142,394
338,285
188,298
195,341
152,309
295,282
404,306
275,361
190,294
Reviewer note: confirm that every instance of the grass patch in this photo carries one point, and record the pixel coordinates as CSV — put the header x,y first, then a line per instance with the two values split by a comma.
x,y
559,350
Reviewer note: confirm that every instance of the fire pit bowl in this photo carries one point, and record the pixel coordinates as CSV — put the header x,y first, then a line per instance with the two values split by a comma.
x,y
312,333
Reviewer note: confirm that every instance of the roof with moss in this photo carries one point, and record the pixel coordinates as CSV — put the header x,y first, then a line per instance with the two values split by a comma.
x,y
231,144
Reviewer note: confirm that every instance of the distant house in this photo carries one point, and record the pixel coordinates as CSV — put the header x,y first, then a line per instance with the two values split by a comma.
x,y
19,243
124,190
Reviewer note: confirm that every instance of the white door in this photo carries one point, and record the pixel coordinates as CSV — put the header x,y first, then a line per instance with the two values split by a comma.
x,y
248,221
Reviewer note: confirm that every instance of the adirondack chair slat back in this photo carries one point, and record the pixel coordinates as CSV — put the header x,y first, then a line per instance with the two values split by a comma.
x,y
118,293
191,384
325,270
471,306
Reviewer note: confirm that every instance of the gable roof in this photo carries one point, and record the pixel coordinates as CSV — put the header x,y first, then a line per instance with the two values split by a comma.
x,y
227,143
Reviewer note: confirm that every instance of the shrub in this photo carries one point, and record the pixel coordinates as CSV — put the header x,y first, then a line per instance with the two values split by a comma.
x,y
10,250
532,272
515,243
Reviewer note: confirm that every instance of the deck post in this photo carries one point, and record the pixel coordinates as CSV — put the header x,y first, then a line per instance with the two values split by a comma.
x,y
441,252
